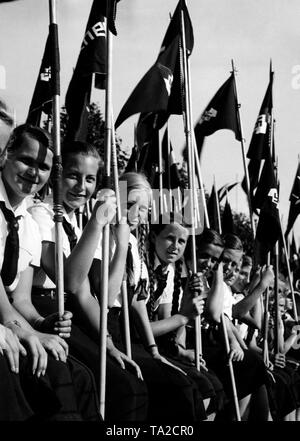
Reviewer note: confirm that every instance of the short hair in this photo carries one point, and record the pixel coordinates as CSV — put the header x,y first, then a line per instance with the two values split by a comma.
x,y
209,236
35,132
247,260
167,219
233,242
136,180
71,148
5,115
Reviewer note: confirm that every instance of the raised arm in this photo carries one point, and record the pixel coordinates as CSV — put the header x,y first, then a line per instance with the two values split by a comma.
x,y
215,298
242,308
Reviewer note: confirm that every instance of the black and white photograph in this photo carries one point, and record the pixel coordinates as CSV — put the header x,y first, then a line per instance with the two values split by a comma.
x,y
149,202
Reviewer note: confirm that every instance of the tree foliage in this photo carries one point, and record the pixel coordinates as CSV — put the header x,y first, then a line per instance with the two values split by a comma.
x,y
96,129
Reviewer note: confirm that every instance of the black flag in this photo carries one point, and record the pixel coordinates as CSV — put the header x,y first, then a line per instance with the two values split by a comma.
x,y
260,141
294,202
268,229
220,113
91,60
160,90
42,95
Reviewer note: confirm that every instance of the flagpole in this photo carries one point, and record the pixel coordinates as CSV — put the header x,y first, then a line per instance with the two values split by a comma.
x,y
57,164
266,324
188,131
169,169
135,144
276,303
194,156
125,308
218,206
105,240
160,174
295,312
199,174
238,105
230,365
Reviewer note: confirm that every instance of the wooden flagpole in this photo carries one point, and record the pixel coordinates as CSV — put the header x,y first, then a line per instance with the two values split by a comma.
x,y
169,169
106,230
238,105
266,324
199,174
230,365
125,308
188,134
187,123
160,174
218,206
276,304
295,312
57,165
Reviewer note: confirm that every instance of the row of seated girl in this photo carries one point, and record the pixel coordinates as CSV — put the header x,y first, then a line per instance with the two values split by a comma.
x,y
160,381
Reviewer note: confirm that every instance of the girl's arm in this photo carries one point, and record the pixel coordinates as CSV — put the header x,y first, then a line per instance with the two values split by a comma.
x,y
120,233
215,298
79,262
236,352
142,323
190,308
242,308
23,305
77,265
87,308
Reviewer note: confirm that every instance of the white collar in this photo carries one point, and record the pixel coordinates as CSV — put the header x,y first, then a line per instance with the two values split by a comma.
x,y
21,209
157,262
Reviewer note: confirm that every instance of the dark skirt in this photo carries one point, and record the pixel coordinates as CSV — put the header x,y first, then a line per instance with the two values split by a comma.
x,y
126,396
173,396
280,392
14,405
249,374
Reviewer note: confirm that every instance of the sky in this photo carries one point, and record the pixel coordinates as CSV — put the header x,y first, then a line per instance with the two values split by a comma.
x,y
251,32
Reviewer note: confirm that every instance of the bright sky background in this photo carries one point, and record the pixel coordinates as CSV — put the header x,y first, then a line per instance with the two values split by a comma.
x,y
250,32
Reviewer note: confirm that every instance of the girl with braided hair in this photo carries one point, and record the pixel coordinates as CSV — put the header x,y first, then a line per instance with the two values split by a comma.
x,y
173,396
176,304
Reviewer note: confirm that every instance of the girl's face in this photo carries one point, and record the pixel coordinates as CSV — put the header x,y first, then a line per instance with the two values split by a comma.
x,y
231,265
243,278
27,169
208,256
79,180
170,243
137,206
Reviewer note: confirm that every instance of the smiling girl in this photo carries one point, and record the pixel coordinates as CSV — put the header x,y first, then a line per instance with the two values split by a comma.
x,y
126,394
52,390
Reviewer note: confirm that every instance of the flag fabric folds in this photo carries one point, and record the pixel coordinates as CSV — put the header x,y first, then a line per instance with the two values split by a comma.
x,y
213,210
294,255
227,220
47,83
42,99
268,229
160,90
259,144
171,176
220,113
294,202
222,192
91,60
260,141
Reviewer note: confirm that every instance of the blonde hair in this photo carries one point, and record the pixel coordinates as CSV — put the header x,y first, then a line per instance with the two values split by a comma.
x,y
136,181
